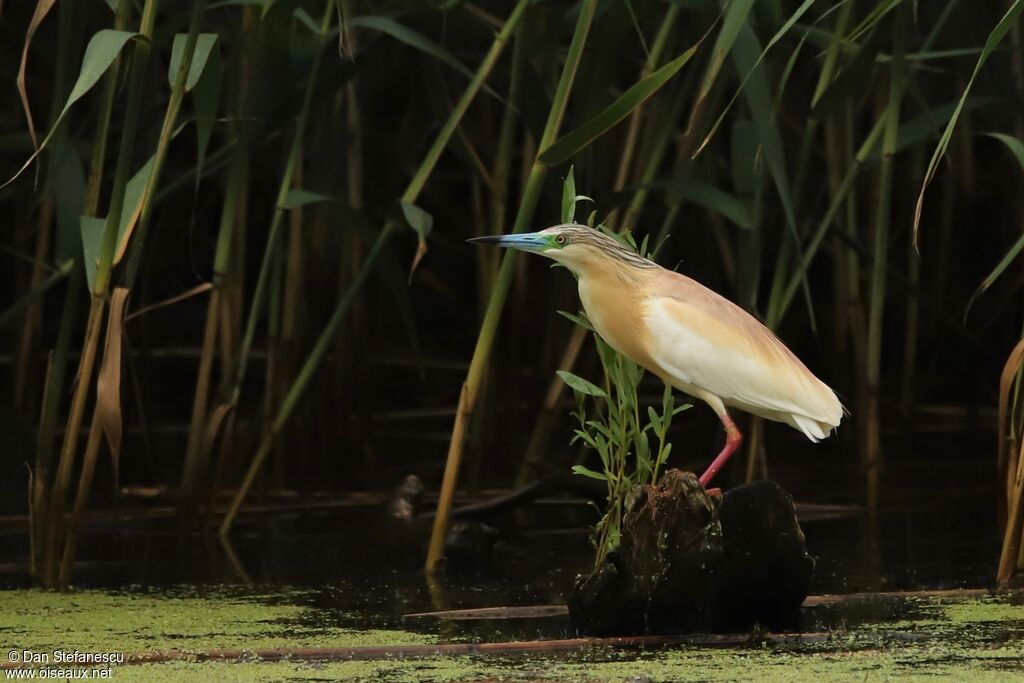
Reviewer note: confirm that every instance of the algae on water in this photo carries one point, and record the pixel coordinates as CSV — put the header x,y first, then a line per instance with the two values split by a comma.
x,y
944,640
176,620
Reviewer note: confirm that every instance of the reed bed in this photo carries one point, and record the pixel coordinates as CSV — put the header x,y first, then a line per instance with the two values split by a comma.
x,y
283,187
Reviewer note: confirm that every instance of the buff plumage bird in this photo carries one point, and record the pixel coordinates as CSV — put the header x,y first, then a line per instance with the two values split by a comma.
x,y
691,337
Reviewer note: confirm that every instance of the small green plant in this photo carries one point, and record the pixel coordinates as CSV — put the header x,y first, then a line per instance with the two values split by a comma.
x,y
609,416
610,422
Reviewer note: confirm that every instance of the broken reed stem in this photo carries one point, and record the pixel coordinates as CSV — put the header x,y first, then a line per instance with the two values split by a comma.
x,y
410,195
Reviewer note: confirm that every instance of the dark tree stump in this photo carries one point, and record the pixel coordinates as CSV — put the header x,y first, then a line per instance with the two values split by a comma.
x,y
765,572
693,562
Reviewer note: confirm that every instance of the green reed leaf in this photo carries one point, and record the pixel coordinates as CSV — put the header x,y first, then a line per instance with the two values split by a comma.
x,y
412,38
849,83
100,53
571,143
873,17
994,38
92,237
298,198
710,197
205,43
68,185
1016,148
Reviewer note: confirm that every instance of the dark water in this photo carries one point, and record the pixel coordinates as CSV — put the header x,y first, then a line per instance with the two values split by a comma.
x,y
362,569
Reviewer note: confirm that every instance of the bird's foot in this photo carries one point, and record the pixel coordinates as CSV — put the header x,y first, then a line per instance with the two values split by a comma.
x,y
714,493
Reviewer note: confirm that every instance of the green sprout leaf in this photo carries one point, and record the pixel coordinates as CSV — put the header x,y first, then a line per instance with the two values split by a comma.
x,y
580,469
577,383
417,219
298,198
569,198
578,319
422,222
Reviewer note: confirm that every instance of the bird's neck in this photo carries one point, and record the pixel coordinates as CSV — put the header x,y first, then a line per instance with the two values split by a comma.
x,y
607,273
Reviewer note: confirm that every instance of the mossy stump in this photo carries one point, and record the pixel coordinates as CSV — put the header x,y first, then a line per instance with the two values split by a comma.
x,y
693,562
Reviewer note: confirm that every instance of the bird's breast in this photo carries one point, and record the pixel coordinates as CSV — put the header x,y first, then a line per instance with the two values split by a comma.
x,y
616,312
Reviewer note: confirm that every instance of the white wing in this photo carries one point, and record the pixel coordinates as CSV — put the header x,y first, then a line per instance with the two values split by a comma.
x,y
710,344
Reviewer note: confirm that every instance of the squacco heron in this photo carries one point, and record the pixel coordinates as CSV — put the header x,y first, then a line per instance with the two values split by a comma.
x,y
691,337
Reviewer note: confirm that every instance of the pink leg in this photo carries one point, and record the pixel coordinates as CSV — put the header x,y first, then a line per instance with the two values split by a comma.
x,y
733,439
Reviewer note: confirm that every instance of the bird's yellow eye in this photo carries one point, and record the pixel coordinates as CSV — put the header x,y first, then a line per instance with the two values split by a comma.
x,y
560,239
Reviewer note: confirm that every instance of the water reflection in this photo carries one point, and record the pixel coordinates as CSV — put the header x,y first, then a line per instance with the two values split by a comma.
x,y
364,567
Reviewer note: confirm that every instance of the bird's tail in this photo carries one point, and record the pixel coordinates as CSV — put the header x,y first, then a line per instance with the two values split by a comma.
x,y
812,429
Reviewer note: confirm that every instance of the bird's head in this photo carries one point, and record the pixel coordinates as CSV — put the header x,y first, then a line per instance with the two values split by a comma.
x,y
577,247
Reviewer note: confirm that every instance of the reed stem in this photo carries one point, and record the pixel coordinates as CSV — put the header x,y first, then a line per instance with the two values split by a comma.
x,y
273,234
115,319
140,60
488,329
874,462
540,435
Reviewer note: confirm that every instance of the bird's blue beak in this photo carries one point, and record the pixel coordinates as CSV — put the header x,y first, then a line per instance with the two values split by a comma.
x,y
529,241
